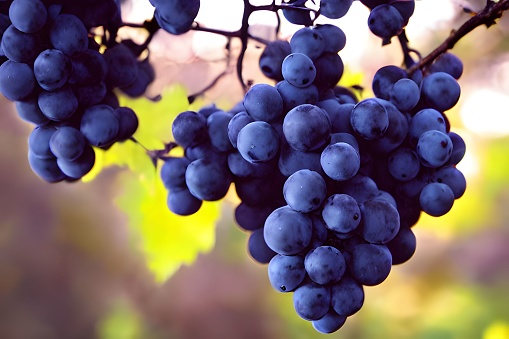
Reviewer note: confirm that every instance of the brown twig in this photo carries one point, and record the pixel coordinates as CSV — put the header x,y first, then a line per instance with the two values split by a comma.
x,y
487,16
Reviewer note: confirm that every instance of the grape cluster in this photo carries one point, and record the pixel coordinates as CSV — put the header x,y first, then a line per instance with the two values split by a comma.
x,y
63,81
330,186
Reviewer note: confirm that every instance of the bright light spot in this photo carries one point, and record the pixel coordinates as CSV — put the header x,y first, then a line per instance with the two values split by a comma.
x,y
431,16
221,14
209,47
485,112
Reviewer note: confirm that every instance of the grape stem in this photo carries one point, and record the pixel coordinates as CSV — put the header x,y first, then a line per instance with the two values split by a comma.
x,y
492,11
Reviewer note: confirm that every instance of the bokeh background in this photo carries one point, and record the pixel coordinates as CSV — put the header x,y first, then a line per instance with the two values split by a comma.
x,y
72,267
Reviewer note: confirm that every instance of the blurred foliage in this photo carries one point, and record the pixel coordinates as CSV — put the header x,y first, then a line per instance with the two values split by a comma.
x,y
166,240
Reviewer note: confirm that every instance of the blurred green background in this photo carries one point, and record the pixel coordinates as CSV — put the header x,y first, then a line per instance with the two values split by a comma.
x,y
73,263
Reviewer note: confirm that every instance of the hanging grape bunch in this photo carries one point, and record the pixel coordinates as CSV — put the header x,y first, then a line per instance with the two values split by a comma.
x,y
330,184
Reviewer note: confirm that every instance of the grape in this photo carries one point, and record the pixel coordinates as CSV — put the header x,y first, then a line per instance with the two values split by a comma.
x,y
306,127
250,218
181,202
369,119
380,221
340,161
19,46
370,264
17,80
335,9
294,96
347,296
395,134
258,142
385,21
304,191
69,35
46,169
128,122
458,148
38,142
402,246
290,161
325,265
217,128
384,79
286,231
263,102
452,177
173,172
189,128
80,166
404,164
286,272
334,37
28,16
144,77
122,66
329,69
311,301
28,110
258,248
298,70
425,120
448,63
207,180
243,168
341,213
329,323
99,125
88,68
297,17
51,69
346,138
436,199
440,90
67,143
236,123
405,94
307,41
176,16
434,148
89,95
405,8
272,57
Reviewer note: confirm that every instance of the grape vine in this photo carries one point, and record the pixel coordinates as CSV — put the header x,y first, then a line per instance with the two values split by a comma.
x,y
330,184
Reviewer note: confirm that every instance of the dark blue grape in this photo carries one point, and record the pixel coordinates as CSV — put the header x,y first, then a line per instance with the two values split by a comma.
x,y
403,164
385,21
51,69
17,80
67,143
291,161
405,94
370,264
329,69
240,167
258,142
58,105
298,69
173,173
325,265
207,180
369,119
340,161
304,191
384,79
329,323
28,16
448,63
80,166
294,96
452,177
307,128
458,148
189,129
307,41
425,120
237,122
272,57
440,90
38,141
380,221
258,249
88,68
334,37
28,110
69,35
347,296
250,218
311,301
434,148
19,46
436,199
176,16
128,122
263,102
403,245
46,169
335,9
89,95
181,202
287,232
286,272
99,125
122,66
341,213
217,128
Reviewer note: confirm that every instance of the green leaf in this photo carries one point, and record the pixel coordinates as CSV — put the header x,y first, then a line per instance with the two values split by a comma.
x,y
166,240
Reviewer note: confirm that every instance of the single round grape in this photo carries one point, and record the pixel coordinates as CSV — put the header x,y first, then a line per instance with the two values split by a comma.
x,y
51,69
311,301
99,125
370,264
385,21
80,166
308,41
304,191
189,128
258,249
340,161
69,35
181,202
17,80
207,180
67,143
369,119
325,265
329,323
380,221
434,148
306,128
403,164
347,296
286,272
440,90
28,16
298,69
263,102
341,213
258,142
436,199
335,9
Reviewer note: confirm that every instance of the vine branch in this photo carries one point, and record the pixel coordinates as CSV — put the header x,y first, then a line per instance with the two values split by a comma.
x,y
487,16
